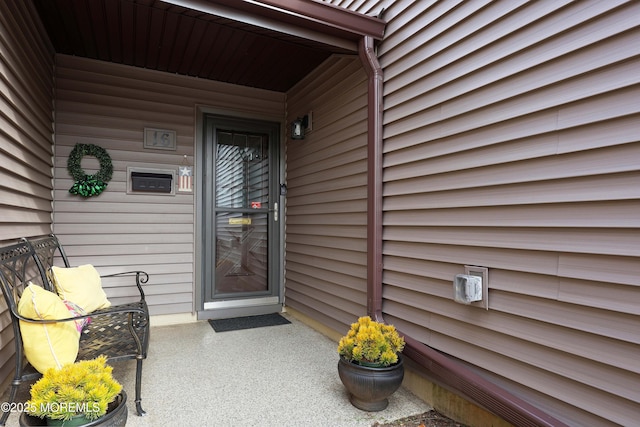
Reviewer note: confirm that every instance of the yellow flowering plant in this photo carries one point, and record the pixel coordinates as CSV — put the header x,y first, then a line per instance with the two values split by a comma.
x,y
82,388
371,343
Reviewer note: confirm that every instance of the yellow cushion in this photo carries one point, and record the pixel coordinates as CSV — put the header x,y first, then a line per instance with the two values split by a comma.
x,y
50,345
82,285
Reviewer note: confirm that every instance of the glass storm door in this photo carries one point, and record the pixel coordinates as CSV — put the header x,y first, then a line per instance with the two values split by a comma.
x,y
241,212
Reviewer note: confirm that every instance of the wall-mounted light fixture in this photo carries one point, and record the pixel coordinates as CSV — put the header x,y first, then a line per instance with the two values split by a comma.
x,y
298,127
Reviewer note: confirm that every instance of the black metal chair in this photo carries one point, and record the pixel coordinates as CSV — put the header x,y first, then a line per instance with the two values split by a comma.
x,y
120,332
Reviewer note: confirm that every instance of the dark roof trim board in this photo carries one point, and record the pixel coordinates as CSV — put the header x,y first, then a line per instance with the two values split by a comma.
x,y
308,19
351,24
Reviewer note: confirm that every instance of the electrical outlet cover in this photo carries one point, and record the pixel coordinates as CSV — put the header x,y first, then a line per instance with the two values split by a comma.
x,y
467,288
482,272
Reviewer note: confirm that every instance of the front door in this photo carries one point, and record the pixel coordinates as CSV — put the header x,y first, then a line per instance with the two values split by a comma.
x,y
241,203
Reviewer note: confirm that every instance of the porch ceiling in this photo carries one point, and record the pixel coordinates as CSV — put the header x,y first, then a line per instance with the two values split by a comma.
x,y
270,44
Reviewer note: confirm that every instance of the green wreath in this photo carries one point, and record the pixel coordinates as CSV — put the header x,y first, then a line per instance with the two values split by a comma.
x,y
89,185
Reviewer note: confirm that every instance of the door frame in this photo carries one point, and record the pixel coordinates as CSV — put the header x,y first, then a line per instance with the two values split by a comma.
x,y
235,307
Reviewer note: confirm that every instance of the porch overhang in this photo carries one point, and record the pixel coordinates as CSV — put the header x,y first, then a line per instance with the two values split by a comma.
x,y
266,44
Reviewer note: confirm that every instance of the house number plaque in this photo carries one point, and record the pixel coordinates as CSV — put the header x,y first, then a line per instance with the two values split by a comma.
x,y
160,139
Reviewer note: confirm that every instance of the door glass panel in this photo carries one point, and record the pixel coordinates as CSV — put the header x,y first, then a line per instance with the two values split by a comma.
x,y
241,214
241,253
242,171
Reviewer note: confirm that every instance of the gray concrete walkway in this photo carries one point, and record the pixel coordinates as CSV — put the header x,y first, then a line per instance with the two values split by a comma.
x,y
273,376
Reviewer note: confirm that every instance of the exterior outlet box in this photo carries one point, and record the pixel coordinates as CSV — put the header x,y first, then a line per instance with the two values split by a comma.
x,y
482,272
467,288
472,287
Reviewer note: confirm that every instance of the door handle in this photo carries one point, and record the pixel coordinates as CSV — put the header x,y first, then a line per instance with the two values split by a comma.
x,y
275,211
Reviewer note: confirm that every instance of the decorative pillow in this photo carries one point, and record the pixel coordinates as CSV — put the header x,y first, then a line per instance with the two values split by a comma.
x,y
50,345
82,285
75,310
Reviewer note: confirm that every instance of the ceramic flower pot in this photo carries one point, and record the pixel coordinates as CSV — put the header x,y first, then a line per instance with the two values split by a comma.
x,y
77,421
370,387
116,416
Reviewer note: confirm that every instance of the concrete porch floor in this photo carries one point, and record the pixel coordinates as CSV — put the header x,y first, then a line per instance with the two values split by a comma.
x,y
272,376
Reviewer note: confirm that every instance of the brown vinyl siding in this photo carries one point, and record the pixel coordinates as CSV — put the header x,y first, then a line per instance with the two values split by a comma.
x,y
109,105
26,120
327,194
367,7
511,141
26,139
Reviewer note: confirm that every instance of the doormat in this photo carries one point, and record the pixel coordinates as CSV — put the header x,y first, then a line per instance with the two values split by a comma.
x,y
250,322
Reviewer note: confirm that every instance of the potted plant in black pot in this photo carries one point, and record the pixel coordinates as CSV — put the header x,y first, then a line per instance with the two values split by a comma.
x,y
79,394
370,366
